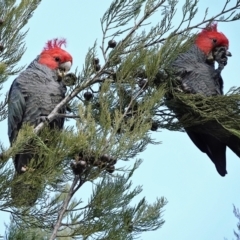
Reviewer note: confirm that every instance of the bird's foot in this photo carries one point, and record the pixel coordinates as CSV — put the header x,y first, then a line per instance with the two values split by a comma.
x,y
220,55
25,168
42,119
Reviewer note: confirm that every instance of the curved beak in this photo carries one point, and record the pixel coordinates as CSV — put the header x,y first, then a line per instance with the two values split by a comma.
x,y
65,67
228,53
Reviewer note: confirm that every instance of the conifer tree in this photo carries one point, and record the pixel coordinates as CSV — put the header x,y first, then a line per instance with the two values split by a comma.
x,y
14,17
237,215
115,101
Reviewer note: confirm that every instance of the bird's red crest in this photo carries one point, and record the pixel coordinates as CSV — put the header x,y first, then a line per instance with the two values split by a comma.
x,y
212,27
209,38
55,43
52,51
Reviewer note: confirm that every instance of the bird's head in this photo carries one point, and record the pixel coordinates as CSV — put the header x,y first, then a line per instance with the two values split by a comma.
x,y
54,57
209,40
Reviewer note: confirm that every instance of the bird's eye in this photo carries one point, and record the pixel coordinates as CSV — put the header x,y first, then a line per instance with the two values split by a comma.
x,y
214,40
57,59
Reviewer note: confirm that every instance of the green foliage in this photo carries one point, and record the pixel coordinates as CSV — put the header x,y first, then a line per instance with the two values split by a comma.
x,y
130,86
14,232
102,217
199,109
13,18
237,215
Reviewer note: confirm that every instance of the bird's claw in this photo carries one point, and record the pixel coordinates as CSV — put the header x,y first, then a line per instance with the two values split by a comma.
x,y
60,74
221,55
43,119
25,168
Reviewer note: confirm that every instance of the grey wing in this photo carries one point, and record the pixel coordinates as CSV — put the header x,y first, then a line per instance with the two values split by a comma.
x,y
16,109
197,77
200,78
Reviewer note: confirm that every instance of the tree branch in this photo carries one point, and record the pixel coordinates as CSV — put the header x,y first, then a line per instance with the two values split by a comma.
x,y
192,27
64,208
75,92
66,116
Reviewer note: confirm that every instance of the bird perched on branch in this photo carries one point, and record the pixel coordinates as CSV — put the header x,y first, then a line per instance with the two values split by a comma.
x,y
36,92
197,75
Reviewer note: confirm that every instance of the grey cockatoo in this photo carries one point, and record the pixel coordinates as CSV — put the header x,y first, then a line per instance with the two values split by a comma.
x,y
197,75
36,92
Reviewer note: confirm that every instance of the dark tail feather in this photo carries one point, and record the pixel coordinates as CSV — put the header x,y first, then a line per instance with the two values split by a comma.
x,y
25,192
233,143
215,149
26,189
21,160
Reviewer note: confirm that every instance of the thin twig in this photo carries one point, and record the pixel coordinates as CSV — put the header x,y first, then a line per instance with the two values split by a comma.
x,y
88,83
195,26
66,116
188,28
64,208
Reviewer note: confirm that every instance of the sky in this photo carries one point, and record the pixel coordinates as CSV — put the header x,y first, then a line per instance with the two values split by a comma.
x,y
200,202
